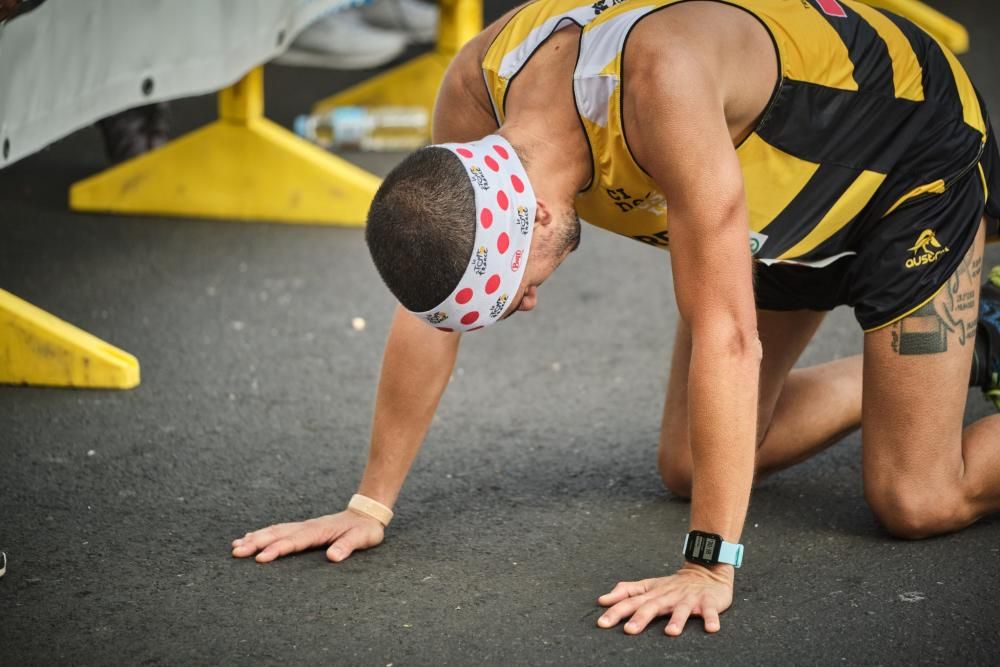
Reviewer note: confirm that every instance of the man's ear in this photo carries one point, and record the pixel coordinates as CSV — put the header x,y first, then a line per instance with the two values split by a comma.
x,y
543,214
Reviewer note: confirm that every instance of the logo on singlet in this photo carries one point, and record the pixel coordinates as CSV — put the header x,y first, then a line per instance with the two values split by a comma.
x,y
832,8
757,241
652,202
602,5
926,250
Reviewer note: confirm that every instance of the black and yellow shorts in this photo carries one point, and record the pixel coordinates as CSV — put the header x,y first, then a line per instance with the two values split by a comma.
x,y
903,259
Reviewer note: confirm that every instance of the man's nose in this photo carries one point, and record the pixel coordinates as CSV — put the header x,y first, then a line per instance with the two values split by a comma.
x,y
530,299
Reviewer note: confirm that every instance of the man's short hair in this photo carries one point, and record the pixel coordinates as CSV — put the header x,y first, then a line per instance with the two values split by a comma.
x,y
422,226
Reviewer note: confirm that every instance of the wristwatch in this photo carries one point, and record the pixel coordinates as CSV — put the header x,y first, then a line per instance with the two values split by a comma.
x,y
710,549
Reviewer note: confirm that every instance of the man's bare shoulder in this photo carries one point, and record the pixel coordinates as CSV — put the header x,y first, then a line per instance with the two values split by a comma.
x,y
689,31
463,110
467,64
718,33
722,51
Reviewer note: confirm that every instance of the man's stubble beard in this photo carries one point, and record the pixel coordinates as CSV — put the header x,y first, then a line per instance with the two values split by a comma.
x,y
569,237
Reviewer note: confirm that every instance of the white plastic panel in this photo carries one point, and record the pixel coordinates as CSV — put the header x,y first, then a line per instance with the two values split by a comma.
x,y
69,63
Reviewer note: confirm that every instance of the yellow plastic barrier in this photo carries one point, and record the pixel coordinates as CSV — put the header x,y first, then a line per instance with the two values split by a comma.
x,y
951,33
39,349
240,167
417,81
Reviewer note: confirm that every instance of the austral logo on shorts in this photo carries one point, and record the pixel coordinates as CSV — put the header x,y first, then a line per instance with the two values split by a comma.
x,y
926,250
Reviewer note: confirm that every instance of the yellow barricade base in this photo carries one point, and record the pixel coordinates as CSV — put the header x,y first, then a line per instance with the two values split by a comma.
x,y
37,348
240,167
415,83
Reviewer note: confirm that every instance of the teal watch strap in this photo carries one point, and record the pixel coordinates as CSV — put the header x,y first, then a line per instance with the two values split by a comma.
x,y
731,554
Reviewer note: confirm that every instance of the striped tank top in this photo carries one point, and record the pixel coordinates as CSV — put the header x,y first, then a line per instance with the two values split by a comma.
x,y
870,113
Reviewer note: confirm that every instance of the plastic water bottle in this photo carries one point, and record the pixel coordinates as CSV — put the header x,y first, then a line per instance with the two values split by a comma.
x,y
388,128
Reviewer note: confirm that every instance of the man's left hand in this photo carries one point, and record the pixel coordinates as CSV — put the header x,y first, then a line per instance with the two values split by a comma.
x,y
697,590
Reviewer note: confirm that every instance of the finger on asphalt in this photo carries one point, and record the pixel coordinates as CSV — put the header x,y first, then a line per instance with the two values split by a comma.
x,y
613,616
257,540
623,590
642,616
677,620
344,546
244,550
711,618
272,533
294,543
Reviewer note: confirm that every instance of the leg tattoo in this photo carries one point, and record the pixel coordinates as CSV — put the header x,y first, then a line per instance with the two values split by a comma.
x,y
923,332
953,311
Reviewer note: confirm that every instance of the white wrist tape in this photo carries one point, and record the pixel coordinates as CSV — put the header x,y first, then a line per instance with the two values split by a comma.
x,y
370,508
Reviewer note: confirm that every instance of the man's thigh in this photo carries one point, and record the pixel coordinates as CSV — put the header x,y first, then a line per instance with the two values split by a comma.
x,y
916,380
783,336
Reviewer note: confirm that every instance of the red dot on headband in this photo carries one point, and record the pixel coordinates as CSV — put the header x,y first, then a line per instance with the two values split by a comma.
x,y
464,296
493,284
503,242
444,329
486,217
464,152
502,200
475,329
516,182
491,163
501,151
469,318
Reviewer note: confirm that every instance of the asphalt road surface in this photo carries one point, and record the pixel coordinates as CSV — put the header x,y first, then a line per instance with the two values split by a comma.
x,y
535,491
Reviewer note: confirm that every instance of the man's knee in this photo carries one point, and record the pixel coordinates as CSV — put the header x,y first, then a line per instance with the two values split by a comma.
x,y
911,511
673,458
676,475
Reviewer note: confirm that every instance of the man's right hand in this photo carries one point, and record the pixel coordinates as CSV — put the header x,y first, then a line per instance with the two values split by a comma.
x,y
345,533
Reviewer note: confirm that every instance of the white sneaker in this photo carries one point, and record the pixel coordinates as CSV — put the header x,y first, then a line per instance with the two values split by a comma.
x,y
417,19
343,40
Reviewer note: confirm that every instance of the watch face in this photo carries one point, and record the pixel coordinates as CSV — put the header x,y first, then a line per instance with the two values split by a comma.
x,y
703,547
709,548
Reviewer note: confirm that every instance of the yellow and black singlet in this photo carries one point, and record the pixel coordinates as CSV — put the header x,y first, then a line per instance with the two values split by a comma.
x,y
869,114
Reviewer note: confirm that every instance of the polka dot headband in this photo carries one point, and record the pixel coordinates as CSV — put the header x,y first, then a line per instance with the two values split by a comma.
x,y
505,216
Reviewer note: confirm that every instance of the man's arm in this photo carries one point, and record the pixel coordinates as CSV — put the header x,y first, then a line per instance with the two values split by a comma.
x,y
463,111
681,138
713,282
416,366
418,359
